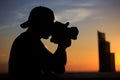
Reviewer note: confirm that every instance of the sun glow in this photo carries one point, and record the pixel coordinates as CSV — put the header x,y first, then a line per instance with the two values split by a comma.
x,y
117,60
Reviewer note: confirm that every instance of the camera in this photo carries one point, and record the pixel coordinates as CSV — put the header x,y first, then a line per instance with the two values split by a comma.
x,y
62,34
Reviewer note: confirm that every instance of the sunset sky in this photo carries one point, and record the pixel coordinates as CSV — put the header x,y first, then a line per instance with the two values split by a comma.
x,y
88,15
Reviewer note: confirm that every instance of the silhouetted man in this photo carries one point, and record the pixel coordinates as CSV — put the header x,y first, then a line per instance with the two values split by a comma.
x,y
29,59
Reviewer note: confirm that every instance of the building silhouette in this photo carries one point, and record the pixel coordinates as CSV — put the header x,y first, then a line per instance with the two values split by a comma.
x,y
106,58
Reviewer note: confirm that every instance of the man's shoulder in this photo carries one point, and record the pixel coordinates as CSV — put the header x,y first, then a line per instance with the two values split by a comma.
x,y
21,38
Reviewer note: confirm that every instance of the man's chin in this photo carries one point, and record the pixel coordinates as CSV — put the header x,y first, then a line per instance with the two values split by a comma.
x,y
46,37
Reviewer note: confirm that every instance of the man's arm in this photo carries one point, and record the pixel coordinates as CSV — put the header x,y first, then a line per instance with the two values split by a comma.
x,y
60,59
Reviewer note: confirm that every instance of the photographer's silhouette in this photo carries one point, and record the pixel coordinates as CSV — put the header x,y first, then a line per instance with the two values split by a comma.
x,y
29,59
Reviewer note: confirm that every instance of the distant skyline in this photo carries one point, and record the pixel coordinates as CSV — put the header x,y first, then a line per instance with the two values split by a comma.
x,y
88,15
106,58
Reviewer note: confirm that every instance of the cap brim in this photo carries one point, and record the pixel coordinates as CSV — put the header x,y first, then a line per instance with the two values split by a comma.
x,y
25,24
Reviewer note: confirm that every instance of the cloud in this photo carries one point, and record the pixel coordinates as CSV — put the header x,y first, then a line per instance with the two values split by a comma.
x,y
9,29
3,27
21,15
73,3
73,15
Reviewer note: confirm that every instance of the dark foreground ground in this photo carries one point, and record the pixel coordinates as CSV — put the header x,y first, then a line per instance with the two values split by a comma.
x,y
81,76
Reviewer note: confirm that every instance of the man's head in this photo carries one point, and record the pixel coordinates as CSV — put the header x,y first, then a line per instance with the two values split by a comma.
x,y
41,20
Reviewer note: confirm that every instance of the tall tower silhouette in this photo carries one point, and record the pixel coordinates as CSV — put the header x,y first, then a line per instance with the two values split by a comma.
x,y
106,58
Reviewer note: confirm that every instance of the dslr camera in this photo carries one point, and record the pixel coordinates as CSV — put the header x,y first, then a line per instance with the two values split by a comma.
x,y
62,34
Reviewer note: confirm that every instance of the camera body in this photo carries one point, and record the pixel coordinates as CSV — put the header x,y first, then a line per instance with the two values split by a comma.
x,y
61,34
